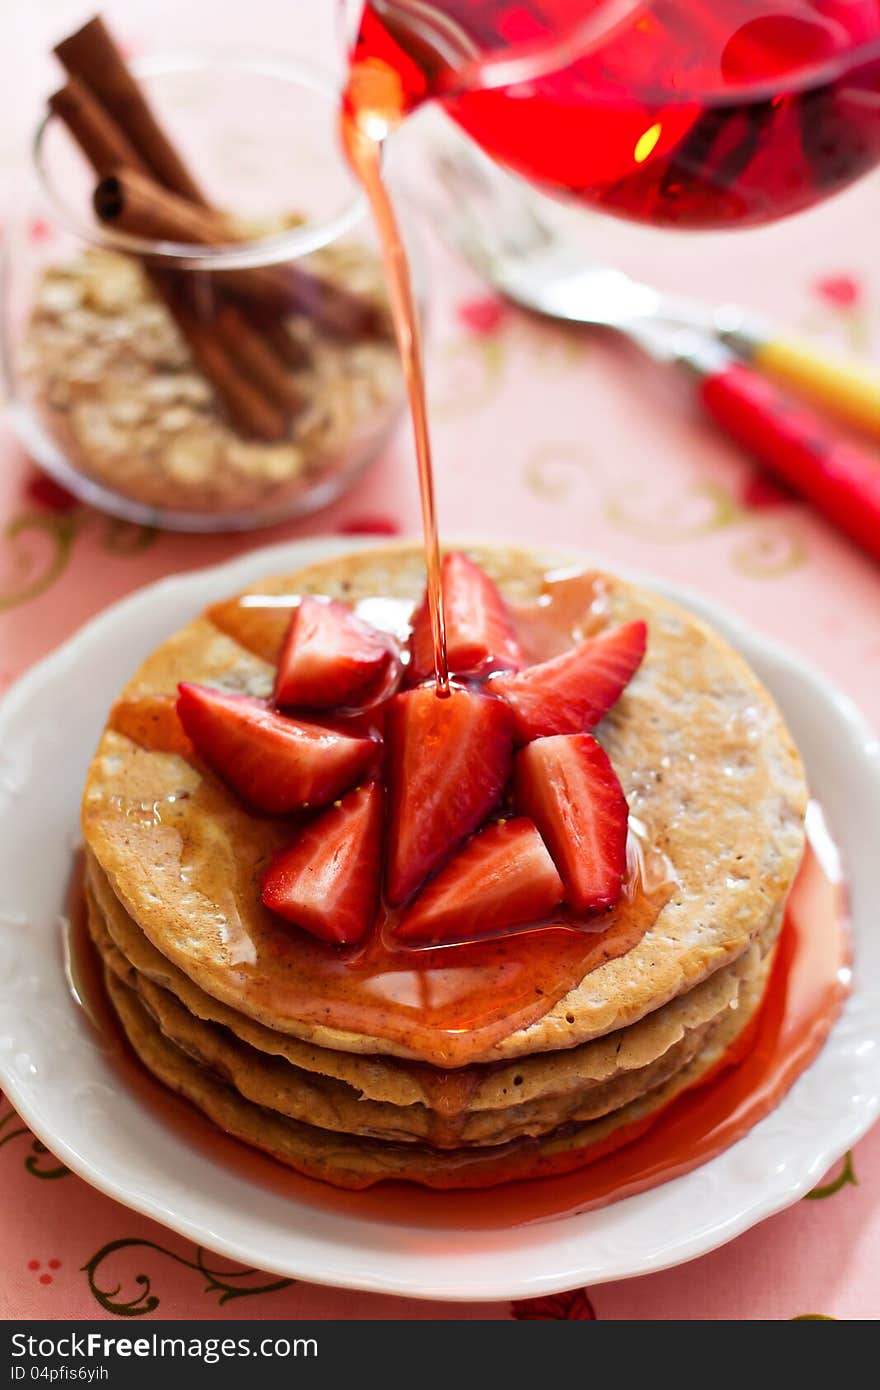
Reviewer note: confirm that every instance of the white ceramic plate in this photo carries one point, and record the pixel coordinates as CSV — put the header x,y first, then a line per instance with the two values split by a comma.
x,y
66,1090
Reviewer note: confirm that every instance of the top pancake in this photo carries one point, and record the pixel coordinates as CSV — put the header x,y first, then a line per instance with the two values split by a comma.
x,y
697,742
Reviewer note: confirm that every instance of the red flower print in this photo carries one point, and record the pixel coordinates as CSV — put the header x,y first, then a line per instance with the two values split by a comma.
x,y
45,1278
760,492
370,526
566,1307
47,493
483,316
39,230
842,291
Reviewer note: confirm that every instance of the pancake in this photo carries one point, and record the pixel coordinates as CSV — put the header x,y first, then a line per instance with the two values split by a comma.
x,y
401,1083
275,1084
356,1162
697,742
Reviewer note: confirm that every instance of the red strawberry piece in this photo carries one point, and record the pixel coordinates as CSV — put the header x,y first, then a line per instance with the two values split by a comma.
x,y
573,691
331,657
328,881
449,760
503,878
570,790
479,632
275,763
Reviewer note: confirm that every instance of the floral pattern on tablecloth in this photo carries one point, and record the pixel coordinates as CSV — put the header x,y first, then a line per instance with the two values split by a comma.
x,y
63,1266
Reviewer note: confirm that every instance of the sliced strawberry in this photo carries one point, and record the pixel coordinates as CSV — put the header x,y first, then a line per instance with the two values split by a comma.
x,y
503,878
331,658
479,634
570,790
449,762
275,763
328,881
573,691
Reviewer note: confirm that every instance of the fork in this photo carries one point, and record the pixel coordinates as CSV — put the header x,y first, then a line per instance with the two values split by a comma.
x,y
510,235
496,223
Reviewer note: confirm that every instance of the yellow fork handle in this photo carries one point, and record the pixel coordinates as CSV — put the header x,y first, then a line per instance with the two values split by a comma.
x,y
844,387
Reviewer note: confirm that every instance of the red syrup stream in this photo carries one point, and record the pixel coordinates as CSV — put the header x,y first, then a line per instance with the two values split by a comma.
x,y
808,984
364,154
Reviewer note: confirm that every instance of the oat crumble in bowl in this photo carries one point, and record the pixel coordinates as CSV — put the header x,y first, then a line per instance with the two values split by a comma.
x,y
115,384
230,368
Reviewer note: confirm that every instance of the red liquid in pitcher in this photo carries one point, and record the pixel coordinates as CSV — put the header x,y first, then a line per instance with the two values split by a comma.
x,y
692,113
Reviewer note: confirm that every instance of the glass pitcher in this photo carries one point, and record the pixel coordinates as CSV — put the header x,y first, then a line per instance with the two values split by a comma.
x,y
693,113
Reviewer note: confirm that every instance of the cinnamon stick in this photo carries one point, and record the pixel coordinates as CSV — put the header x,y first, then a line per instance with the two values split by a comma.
x,y
286,347
91,56
136,204
252,405
256,357
247,406
249,378
252,384
99,137
147,190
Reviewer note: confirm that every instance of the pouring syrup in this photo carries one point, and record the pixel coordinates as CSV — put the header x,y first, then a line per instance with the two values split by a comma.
x,y
365,117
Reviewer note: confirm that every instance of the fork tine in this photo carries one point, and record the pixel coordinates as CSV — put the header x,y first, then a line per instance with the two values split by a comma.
x,y
484,175
461,224
475,225
498,213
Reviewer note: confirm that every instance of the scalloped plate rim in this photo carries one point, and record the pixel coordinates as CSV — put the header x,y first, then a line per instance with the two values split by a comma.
x,y
475,1265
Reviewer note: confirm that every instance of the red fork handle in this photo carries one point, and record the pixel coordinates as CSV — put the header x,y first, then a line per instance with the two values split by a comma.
x,y
842,481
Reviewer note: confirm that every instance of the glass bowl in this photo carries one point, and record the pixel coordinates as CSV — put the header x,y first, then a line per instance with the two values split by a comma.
x,y
136,374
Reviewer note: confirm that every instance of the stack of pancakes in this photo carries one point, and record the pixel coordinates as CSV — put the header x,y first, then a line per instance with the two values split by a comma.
x,y
196,968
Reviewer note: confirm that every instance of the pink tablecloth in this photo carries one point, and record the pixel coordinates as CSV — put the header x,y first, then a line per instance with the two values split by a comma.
x,y
540,435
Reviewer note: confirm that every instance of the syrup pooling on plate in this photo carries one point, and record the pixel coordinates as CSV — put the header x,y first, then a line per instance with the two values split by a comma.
x,y
573,605
81,967
808,984
152,723
447,1004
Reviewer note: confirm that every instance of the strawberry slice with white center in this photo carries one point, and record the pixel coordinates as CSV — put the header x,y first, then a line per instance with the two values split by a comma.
x,y
449,760
277,764
331,658
503,878
328,881
573,691
479,633
568,787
